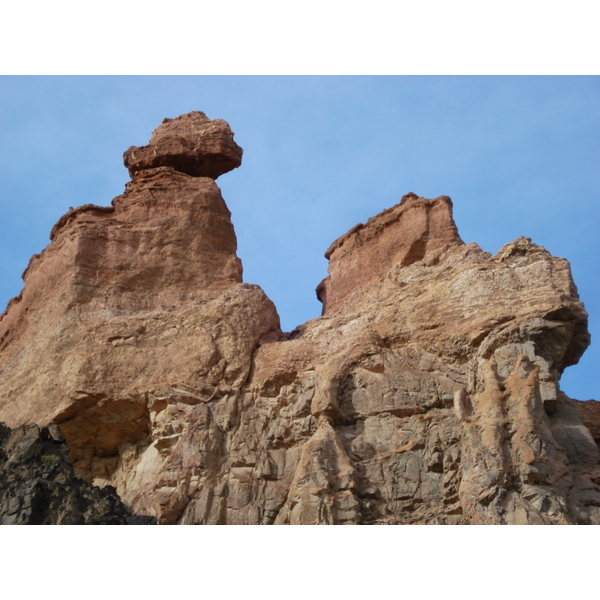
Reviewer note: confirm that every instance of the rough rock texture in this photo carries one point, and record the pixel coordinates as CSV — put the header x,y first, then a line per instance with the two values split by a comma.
x,y
192,144
127,300
426,393
436,400
38,487
590,415
415,230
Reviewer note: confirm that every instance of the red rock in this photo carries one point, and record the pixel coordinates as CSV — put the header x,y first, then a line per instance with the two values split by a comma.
x,y
428,392
416,230
192,144
127,299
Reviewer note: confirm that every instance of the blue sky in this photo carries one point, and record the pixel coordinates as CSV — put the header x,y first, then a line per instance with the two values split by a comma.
x,y
518,156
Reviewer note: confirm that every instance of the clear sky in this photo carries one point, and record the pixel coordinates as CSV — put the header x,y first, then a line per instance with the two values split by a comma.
x,y
517,155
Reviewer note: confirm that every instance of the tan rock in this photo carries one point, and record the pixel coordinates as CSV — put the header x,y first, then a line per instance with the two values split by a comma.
x,y
428,392
590,416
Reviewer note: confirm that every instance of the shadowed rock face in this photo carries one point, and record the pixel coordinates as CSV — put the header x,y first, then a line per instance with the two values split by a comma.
x,y
38,487
426,393
590,415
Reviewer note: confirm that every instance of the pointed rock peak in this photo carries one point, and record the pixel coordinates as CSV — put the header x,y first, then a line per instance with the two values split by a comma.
x,y
408,197
192,144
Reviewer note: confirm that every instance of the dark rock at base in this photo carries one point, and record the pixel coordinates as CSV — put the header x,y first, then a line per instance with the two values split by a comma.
x,y
38,486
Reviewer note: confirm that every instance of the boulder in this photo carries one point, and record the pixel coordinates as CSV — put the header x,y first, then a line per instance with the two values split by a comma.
x,y
191,144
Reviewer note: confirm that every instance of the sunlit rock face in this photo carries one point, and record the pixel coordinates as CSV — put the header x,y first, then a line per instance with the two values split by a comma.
x,y
427,392
126,300
191,143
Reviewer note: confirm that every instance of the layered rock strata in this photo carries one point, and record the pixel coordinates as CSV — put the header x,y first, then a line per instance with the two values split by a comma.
x,y
427,392
126,300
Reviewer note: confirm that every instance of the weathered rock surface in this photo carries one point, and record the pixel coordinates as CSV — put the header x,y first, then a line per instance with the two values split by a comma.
x,y
590,416
192,144
127,300
428,392
415,230
38,487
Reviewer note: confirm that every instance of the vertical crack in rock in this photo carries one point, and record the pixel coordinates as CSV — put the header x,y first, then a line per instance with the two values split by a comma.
x,y
427,392
322,487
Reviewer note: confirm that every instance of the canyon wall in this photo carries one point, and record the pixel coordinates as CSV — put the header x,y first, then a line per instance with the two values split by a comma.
x,y
427,392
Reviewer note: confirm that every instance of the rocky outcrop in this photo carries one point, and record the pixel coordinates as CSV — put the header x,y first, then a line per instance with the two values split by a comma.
x,y
129,301
440,384
414,230
427,392
38,487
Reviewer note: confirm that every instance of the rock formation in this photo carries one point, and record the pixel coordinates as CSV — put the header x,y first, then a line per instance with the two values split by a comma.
x,y
427,392
590,416
191,144
38,487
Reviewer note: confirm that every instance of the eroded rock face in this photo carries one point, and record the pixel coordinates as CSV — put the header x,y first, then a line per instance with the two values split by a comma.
x,y
126,301
416,229
436,400
426,393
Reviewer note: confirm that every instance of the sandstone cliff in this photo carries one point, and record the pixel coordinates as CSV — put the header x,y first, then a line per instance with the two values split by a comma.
x,y
427,392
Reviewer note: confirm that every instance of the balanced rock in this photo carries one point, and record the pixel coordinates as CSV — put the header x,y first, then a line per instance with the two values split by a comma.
x,y
427,392
192,144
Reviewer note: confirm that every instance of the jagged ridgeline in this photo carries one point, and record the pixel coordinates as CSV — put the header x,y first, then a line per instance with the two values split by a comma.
x,y
427,392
